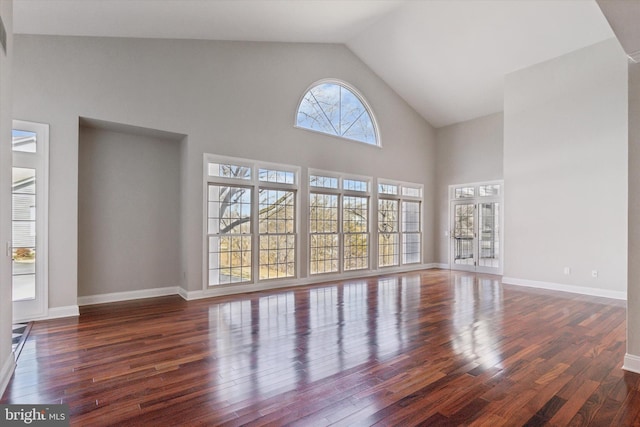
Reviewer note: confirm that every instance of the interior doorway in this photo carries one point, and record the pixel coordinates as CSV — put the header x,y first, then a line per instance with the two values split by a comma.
x,y
476,218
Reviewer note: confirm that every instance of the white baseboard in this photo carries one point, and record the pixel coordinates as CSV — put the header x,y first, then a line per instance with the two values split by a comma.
x,y
596,292
232,290
58,312
631,363
6,372
442,266
128,295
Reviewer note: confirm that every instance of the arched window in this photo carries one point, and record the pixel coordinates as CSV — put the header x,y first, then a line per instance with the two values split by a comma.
x,y
334,108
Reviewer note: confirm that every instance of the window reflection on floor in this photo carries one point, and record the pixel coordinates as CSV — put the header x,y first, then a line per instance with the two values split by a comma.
x,y
477,309
284,341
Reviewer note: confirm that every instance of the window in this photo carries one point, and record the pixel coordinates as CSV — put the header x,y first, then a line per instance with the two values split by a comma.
x,y
411,238
323,230
229,231
465,192
277,233
29,219
355,225
388,237
238,192
339,223
399,224
334,108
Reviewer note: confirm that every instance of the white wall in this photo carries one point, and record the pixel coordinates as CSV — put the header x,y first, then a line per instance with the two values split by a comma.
x,y
229,98
565,171
466,152
633,301
128,212
6,356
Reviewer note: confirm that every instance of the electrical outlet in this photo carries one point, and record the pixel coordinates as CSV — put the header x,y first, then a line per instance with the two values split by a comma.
x,y
567,270
594,273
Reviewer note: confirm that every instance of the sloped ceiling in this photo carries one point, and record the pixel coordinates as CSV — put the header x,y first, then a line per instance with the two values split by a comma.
x,y
446,58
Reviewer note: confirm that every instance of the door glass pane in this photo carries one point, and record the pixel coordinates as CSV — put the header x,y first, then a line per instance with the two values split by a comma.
x,y
23,225
489,230
23,141
463,234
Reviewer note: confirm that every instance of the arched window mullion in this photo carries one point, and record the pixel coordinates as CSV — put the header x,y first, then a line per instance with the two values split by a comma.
x,y
340,98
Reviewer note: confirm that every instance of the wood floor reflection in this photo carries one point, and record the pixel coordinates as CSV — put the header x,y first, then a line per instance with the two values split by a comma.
x,y
431,347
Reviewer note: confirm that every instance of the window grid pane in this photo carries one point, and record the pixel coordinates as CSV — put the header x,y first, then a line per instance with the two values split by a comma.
x,y
276,219
228,170
411,191
324,253
23,141
388,189
229,229
23,229
323,229
320,181
464,192
411,248
332,108
355,223
489,190
355,185
276,176
388,237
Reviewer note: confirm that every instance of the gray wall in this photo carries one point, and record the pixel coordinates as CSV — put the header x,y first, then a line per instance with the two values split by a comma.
x,y
565,169
466,152
128,212
633,293
229,98
6,357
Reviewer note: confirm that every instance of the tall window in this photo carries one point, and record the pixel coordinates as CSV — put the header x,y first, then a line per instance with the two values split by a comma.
x,y
323,230
334,108
399,224
277,225
29,200
238,192
388,236
229,224
339,223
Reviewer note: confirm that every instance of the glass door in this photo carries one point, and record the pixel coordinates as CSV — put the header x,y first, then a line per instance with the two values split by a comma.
x,y
464,235
476,228
29,220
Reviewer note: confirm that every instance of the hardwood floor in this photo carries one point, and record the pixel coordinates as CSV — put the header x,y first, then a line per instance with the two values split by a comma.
x,y
432,348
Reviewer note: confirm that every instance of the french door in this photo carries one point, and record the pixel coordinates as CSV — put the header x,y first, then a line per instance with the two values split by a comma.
x,y
476,219
29,220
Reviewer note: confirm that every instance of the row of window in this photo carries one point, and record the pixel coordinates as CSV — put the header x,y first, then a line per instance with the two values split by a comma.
x,y
252,222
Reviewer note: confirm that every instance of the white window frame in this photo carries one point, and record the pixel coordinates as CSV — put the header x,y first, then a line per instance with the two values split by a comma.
x,y
476,199
358,95
340,192
400,197
39,307
256,185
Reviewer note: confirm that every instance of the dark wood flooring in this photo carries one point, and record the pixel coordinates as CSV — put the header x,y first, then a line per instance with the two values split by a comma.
x,y
431,348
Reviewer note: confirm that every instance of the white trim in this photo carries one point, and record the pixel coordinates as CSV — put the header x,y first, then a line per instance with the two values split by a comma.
x,y
596,292
631,363
37,307
67,311
6,373
440,265
127,295
224,290
475,200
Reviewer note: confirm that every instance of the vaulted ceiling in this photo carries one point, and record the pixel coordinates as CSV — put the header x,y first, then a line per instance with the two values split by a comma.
x,y
446,58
